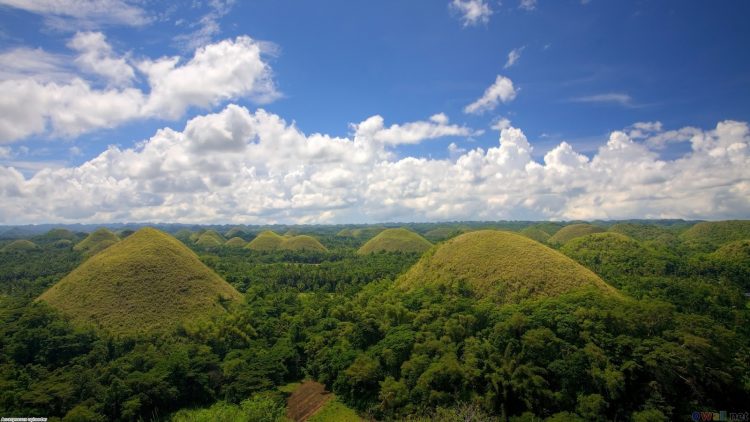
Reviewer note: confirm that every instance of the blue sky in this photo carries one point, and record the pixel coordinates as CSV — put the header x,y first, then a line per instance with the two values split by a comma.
x,y
583,69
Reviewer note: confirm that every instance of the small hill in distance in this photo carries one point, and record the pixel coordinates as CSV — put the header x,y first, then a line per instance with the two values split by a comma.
x,y
20,245
360,233
236,232
235,242
210,239
265,241
270,241
149,282
535,233
302,243
97,241
503,267
567,233
444,233
710,235
396,240
58,234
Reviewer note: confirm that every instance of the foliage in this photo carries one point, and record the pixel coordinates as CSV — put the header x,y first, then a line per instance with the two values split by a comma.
x,y
396,240
707,236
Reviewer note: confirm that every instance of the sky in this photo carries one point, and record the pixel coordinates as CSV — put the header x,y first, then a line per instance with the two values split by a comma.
x,y
278,111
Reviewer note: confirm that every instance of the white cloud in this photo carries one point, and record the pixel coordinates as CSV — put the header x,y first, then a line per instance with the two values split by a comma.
x,y
95,56
42,101
612,97
253,167
500,91
5,152
473,12
72,14
372,129
513,57
527,5
37,64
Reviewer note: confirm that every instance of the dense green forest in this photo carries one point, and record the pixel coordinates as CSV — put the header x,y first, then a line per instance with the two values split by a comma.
x,y
674,340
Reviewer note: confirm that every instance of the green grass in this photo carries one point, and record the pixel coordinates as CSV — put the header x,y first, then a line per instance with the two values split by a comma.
x,y
711,235
265,241
504,267
567,233
396,240
91,244
20,245
210,239
302,242
334,411
149,282
235,242
535,233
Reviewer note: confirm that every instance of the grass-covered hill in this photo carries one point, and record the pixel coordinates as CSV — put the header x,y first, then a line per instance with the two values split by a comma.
x,y
302,242
20,245
96,241
236,232
266,241
567,233
149,282
396,240
444,233
535,233
210,239
235,242
502,266
711,235
58,234
271,241
360,233
613,254
643,232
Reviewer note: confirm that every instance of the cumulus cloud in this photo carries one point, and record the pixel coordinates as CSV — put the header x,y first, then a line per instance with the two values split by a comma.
x,y
500,91
95,56
473,12
409,133
253,167
207,27
72,14
513,57
47,98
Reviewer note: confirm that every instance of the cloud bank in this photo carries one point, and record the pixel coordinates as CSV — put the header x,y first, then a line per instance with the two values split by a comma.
x,y
46,97
253,167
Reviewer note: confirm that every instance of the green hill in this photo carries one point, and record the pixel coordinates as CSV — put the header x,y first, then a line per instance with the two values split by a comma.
x,y
504,267
149,282
360,233
96,242
613,255
183,235
20,245
236,232
235,242
565,234
210,239
265,241
63,243
711,235
58,234
302,242
642,232
444,233
535,233
733,261
396,240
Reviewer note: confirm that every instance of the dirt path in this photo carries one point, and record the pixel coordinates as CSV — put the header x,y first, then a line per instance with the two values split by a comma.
x,y
307,399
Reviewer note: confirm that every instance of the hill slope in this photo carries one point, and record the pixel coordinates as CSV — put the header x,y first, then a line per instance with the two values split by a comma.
x,y
502,266
567,233
396,240
716,233
235,242
20,245
149,282
302,242
265,241
210,239
96,242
